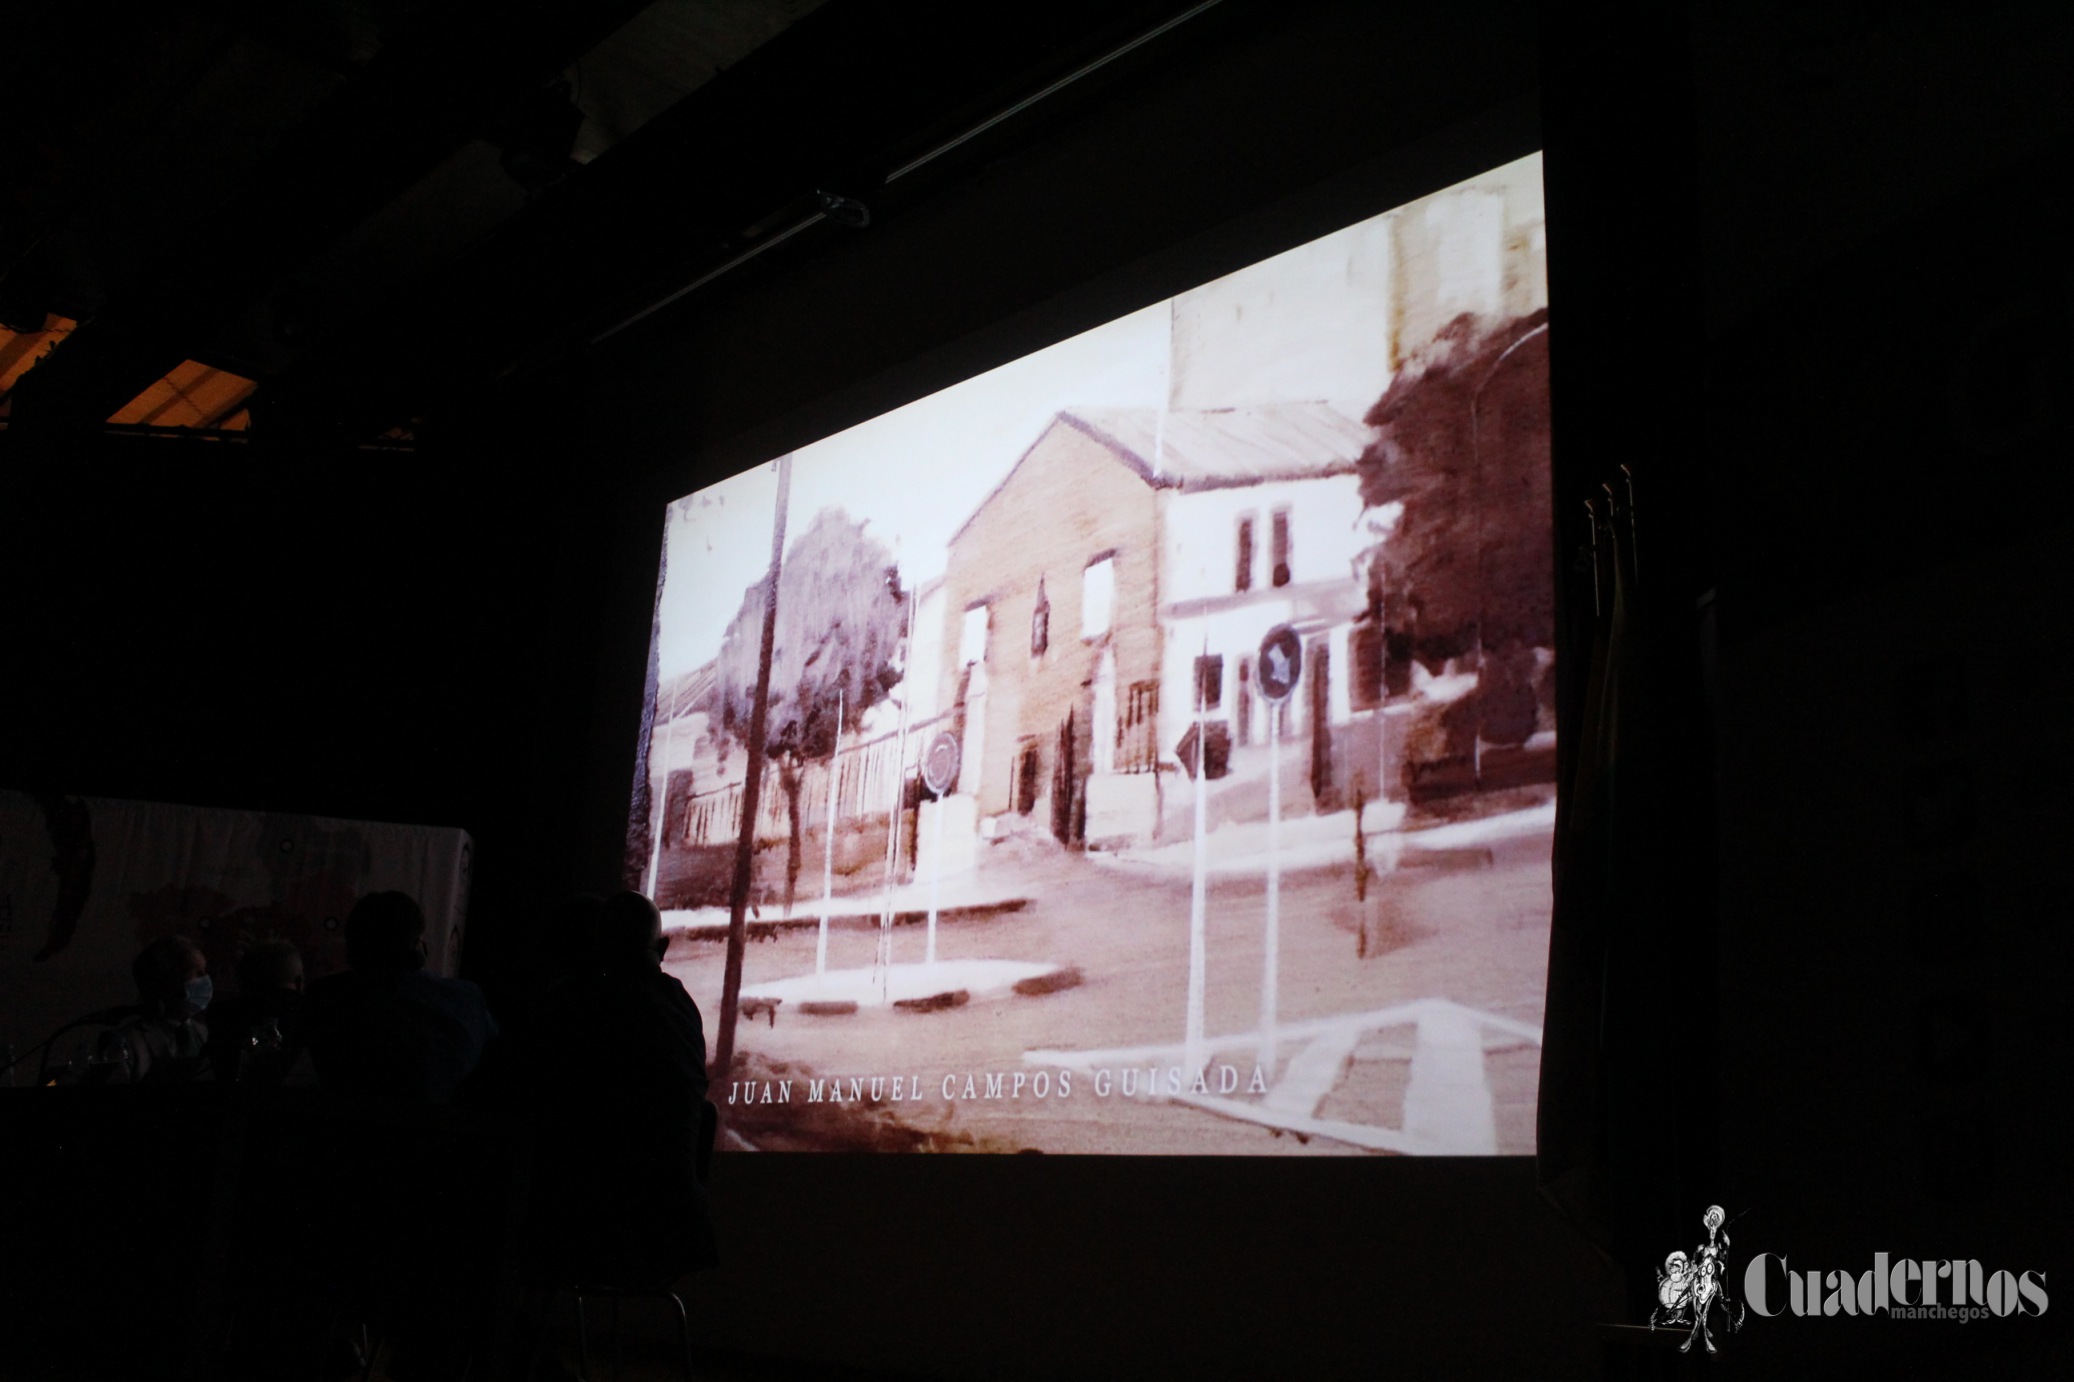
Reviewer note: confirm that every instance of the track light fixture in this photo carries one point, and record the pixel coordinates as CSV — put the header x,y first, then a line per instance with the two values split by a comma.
x,y
844,211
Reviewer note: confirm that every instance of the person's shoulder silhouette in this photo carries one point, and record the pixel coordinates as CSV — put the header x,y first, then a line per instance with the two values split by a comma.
x,y
615,1088
385,1028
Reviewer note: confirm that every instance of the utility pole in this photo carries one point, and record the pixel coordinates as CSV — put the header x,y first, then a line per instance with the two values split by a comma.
x,y
752,791
835,763
1198,929
1281,667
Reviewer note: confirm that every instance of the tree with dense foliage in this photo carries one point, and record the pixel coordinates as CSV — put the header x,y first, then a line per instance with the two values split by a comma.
x,y
842,616
1468,573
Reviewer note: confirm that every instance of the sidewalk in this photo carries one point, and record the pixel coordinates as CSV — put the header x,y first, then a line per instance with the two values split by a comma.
x,y
1234,850
974,893
1307,842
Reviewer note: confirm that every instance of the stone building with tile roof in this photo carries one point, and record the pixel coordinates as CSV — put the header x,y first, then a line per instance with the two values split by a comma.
x,y
1126,568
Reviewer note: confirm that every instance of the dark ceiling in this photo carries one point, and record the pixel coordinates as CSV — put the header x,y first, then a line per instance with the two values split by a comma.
x,y
372,209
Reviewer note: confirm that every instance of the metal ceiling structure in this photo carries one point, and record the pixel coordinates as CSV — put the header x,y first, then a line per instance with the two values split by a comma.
x,y
325,218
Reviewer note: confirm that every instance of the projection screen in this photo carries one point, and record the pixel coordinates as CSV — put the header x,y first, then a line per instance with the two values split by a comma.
x,y
1159,750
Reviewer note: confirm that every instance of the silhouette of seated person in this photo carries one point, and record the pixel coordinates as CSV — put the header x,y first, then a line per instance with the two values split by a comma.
x,y
607,1083
166,1041
564,949
385,1029
257,1031
410,1202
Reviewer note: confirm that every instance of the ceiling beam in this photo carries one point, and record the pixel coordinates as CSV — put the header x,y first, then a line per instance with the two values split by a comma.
x,y
392,121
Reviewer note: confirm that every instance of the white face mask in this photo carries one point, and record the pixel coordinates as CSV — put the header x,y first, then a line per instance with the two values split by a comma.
x,y
199,992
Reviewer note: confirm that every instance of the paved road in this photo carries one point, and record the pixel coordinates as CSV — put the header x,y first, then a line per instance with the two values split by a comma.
x,y
1469,926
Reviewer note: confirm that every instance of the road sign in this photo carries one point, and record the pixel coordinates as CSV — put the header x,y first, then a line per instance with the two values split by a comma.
x,y
940,763
1281,663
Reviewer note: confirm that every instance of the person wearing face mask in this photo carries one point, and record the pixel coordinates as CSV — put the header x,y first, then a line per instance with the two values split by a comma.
x,y
166,1041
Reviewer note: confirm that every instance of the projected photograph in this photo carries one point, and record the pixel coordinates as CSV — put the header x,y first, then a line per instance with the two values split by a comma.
x,y
1146,746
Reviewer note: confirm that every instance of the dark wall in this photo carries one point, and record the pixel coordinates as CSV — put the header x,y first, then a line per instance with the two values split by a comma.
x,y
1807,270
369,636
1885,426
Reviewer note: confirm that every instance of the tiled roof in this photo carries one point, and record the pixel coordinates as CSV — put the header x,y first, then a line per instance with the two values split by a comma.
x,y
1216,448
685,693
1225,447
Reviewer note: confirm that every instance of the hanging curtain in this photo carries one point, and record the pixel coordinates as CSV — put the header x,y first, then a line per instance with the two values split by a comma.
x,y
1626,1068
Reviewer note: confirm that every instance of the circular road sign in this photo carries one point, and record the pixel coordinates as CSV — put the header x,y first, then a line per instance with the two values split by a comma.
x,y
1281,662
940,763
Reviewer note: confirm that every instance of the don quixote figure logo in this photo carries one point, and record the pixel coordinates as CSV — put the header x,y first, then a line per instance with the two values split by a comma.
x,y
1688,1289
